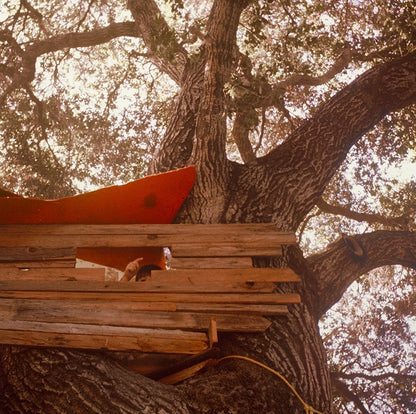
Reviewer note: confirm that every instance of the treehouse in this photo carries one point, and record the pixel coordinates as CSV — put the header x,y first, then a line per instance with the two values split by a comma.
x,y
208,285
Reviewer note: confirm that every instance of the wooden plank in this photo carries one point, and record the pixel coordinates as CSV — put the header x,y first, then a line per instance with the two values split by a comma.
x,y
13,254
213,308
70,263
145,229
139,287
49,274
253,274
206,286
184,361
87,305
212,262
186,373
212,331
253,298
239,309
90,329
21,310
102,342
134,240
222,249
140,235
102,337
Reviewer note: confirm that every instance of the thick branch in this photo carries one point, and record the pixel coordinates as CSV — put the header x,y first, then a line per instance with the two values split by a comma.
x,y
315,150
373,378
164,49
259,94
240,133
58,384
35,14
342,390
219,49
304,80
356,256
84,39
23,71
291,178
7,193
401,222
209,150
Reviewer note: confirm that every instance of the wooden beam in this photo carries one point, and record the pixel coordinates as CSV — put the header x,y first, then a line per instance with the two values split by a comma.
x,y
186,373
212,331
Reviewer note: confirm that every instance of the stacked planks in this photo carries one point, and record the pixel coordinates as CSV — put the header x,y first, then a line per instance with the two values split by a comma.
x,y
211,286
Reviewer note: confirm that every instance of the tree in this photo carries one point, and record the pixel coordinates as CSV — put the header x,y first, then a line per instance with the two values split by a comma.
x,y
242,70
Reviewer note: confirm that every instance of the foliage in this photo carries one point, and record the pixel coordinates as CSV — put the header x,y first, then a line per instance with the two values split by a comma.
x,y
81,125
95,115
370,343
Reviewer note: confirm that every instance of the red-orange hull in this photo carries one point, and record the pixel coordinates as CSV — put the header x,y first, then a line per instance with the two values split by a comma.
x,y
153,199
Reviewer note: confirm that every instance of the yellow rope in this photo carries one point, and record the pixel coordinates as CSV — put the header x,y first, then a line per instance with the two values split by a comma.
x,y
308,409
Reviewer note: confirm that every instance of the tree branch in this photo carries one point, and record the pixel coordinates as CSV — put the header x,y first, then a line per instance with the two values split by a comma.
x,y
209,149
35,14
304,80
84,39
260,94
240,133
343,391
7,193
23,70
357,255
164,49
401,222
316,149
373,378
120,390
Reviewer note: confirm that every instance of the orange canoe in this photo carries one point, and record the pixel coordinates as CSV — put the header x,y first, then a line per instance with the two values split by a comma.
x,y
153,199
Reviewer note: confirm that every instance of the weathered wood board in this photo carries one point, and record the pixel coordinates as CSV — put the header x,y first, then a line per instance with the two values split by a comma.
x,y
44,311
102,337
211,286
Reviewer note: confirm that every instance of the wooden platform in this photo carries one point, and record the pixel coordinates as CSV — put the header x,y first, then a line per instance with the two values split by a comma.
x,y
211,286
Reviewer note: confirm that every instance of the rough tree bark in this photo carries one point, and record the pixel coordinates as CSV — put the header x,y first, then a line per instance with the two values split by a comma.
x,y
281,188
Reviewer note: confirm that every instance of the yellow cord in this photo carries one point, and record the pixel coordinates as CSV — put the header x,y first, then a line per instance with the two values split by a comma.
x,y
308,409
